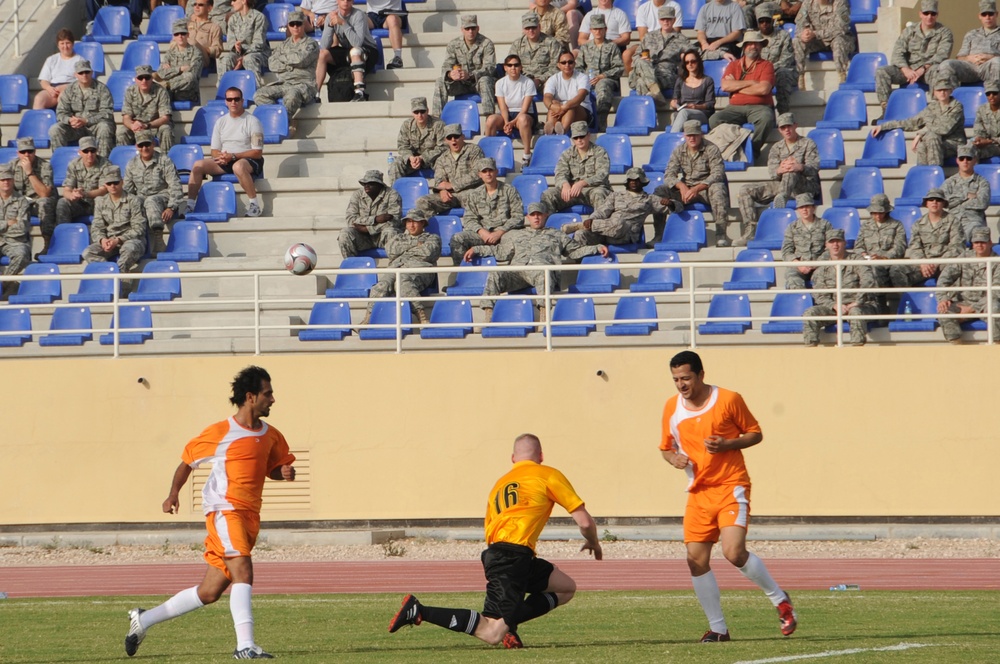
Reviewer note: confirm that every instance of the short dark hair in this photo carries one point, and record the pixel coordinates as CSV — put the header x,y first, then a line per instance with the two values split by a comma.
x,y
700,69
65,34
688,357
249,380
512,58
235,89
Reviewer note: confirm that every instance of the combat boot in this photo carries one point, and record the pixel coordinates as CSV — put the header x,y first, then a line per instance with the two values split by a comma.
x,y
46,240
572,228
422,316
156,243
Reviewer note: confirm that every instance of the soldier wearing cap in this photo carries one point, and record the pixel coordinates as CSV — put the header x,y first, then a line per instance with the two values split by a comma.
x,y
246,41
146,108
937,234
658,71
880,238
556,21
420,142
793,165
152,177
82,185
601,61
968,192
455,174
535,244
696,173
413,248
490,212
33,179
780,52
119,227
824,25
373,216
347,42
986,128
805,239
848,302
293,61
582,173
85,108
748,81
618,24
537,52
719,25
940,126
620,218
968,275
469,67
978,58
15,231
206,23
917,53
181,65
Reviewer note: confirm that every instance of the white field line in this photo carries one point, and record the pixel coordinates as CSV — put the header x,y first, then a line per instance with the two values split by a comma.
x,y
834,653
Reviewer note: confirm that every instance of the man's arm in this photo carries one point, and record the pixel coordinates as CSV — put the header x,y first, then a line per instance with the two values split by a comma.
x,y
588,528
283,473
716,444
172,503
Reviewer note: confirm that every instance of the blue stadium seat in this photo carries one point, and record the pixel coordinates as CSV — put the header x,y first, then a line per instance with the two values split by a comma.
x,y
845,109
887,150
685,231
274,118
380,33
655,180
141,53
68,243
619,149
354,284
511,311
16,320
136,326
861,71
904,103
631,247
858,186
385,312
557,220
663,146
546,155
121,155
991,173
907,215
921,303
328,313
635,308
160,27
184,157
7,155
864,11
96,290
92,51
236,78
689,9
470,282
715,69
847,219
629,7
771,227
200,132
465,112
60,162
276,14
410,189
216,202
69,318
501,149
36,124
787,304
658,279
919,180
530,187
751,278
444,226
579,311
112,25
38,292
635,116
727,306
13,93
158,290
598,281
117,83
747,161
188,242
456,313
972,97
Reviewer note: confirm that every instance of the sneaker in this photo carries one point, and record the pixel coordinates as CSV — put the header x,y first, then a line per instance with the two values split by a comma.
x,y
525,160
136,633
408,614
253,652
740,242
395,63
714,637
511,641
253,210
786,613
723,242
359,95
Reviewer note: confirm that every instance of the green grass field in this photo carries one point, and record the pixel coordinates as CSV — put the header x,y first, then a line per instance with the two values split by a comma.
x,y
596,627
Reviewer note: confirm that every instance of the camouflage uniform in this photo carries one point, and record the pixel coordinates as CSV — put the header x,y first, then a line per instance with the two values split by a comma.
x,y
97,108
604,59
967,274
295,64
914,49
704,166
975,42
15,239
554,24
43,208
538,60
502,211
146,108
805,243
781,53
527,246
887,239
987,125
407,250
123,219
941,240
594,168
427,143
462,175
942,130
186,85
480,61
852,276
362,210
156,185
251,32
620,218
663,64
832,25
968,199
787,185
78,176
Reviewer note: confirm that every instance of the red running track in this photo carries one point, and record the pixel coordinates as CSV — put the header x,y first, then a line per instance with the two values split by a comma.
x,y
453,576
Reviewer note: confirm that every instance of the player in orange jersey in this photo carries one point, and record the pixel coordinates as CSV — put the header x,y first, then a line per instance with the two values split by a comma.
x,y
516,512
705,429
243,450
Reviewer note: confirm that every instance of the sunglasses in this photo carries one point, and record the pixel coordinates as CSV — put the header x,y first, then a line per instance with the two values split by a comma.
x,y
144,78
89,151
690,62
512,64
85,73
113,184
929,13
567,62
178,34
988,14
144,145
991,93
453,138
295,24
26,152
420,112
234,99
964,159
471,27
201,4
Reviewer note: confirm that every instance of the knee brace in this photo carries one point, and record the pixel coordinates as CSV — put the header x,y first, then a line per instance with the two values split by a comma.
x,y
357,59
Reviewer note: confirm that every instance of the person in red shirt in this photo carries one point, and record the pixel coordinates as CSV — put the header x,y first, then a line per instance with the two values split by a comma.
x,y
749,81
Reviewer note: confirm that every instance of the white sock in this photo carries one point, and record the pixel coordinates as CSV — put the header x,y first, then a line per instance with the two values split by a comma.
x,y
397,52
254,200
756,571
239,606
183,602
191,203
706,588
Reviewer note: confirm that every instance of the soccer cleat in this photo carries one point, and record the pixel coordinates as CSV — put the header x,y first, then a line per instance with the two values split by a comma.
x,y
253,652
511,641
408,614
395,63
786,613
714,637
253,210
136,632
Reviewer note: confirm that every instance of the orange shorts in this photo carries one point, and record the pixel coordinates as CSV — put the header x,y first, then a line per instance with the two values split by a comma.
x,y
231,534
714,507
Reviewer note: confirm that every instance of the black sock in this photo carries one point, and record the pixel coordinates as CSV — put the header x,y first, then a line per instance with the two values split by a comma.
x,y
463,621
535,605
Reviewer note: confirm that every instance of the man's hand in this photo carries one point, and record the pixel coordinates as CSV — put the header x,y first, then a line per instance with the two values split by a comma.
x,y
446,195
167,215
577,188
470,253
77,123
564,193
928,270
382,218
807,35
288,473
593,548
456,74
716,444
679,461
604,250
108,244
25,162
171,504
416,162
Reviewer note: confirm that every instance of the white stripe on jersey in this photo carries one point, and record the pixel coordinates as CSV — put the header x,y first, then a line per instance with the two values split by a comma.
x,y
680,414
213,494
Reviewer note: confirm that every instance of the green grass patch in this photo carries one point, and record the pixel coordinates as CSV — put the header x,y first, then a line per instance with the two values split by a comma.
x,y
620,627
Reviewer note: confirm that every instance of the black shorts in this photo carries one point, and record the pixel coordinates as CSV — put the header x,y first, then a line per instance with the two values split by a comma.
x,y
378,19
342,58
256,167
513,116
512,571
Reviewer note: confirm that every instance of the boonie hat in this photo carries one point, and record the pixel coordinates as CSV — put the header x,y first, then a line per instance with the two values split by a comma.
x,y
372,177
636,173
880,203
935,194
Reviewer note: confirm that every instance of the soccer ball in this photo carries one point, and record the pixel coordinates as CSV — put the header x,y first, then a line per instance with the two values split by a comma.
x,y
300,259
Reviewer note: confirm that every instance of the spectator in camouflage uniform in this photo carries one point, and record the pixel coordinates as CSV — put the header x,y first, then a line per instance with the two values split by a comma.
x,y
880,238
804,241
780,52
119,227
696,173
601,61
420,142
553,22
413,248
294,63
965,275
152,177
968,193
85,108
986,128
824,25
455,174
793,165
490,212
940,126
659,59
180,68
82,185
620,218
246,41
205,32
535,244
15,232
978,59
469,68
582,173
33,179
849,303
537,51
752,8
937,234
373,216
146,108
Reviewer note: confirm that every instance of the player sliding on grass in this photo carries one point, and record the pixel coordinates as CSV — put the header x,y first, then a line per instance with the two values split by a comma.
x,y
705,427
516,511
242,450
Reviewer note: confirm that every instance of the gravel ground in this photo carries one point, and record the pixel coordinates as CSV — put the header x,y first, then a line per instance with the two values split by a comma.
x,y
426,549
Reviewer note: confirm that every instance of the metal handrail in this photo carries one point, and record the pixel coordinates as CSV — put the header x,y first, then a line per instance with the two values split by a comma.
x,y
20,22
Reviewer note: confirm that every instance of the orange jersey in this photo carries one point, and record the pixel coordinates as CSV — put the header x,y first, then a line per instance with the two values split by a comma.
x,y
241,459
725,414
521,501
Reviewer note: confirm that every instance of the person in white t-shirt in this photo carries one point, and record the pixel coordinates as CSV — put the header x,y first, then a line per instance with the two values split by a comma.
x,y
58,71
237,149
316,11
619,27
647,17
567,96
516,105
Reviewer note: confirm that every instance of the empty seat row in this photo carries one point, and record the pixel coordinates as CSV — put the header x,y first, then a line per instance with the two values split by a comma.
x,y
71,326
97,289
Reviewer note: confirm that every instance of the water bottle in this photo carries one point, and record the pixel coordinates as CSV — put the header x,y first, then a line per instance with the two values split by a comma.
x,y
908,311
591,73
845,586
390,160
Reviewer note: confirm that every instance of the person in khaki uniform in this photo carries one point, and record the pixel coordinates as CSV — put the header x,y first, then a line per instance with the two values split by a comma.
x,y
824,25
537,51
119,227
621,216
880,238
937,234
849,303
804,240
294,63
601,61
658,58
205,32
968,192
181,65
469,68
490,212
965,275
217,11
146,108
82,185
582,173
34,179
152,177
420,142
940,127
373,216
986,128
15,231
455,174
85,108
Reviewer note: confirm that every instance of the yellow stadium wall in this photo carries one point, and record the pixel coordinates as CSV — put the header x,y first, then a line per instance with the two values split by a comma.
x,y
892,431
